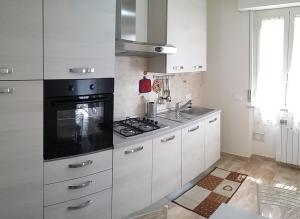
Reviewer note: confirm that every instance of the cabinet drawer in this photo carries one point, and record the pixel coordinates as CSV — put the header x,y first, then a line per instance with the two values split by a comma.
x,y
73,189
92,207
61,170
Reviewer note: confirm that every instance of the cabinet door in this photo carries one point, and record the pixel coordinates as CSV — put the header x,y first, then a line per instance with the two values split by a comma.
x,y
196,30
132,169
178,19
79,38
21,151
193,163
21,47
212,140
166,176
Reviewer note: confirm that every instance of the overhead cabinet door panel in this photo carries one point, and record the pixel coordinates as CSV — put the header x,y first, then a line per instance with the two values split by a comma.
x,y
79,38
21,47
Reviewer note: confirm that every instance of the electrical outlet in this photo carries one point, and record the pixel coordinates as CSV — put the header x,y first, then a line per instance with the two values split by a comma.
x,y
188,96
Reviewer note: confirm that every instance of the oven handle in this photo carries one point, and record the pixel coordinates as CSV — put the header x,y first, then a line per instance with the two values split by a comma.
x,y
94,100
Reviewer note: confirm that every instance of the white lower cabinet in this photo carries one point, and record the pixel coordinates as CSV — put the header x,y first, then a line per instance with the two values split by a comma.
x,y
212,140
21,149
132,169
166,176
193,163
95,206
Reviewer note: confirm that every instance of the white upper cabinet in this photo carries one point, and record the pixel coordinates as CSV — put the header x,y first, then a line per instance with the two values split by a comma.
x,y
21,44
193,160
79,39
212,140
187,30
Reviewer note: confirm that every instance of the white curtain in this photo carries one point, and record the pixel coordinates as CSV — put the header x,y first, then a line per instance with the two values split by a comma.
x,y
293,89
270,86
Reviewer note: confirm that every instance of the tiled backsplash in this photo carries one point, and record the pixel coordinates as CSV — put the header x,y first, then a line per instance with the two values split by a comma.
x,y
128,101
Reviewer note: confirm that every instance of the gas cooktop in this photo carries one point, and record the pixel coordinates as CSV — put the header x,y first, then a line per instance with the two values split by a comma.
x,y
135,126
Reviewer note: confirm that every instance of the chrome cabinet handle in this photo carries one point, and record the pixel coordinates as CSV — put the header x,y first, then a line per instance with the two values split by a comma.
x,y
83,205
194,129
134,150
80,186
168,139
198,66
6,90
79,165
5,71
82,70
178,67
211,121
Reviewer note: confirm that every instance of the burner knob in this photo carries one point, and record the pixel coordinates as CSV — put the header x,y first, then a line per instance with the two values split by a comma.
x,y
144,119
148,120
152,120
156,123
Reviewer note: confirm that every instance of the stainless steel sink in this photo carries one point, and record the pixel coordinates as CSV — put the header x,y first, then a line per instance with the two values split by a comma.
x,y
185,115
198,111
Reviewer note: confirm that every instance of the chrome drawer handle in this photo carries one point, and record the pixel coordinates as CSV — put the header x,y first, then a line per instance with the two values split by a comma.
x,y
198,66
80,186
82,70
5,71
6,90
211,121
194,129
168,139
178,67
134,150
83,205
79,165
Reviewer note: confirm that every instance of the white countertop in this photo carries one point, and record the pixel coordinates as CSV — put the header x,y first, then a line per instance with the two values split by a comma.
x,y
120,141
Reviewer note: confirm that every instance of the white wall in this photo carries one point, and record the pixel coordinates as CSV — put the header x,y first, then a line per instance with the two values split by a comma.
x,y
266,4
226,81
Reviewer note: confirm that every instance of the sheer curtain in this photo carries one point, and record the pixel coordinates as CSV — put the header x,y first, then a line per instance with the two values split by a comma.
x,y
270,87
293,89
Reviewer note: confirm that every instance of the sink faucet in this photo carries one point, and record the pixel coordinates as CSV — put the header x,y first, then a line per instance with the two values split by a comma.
x,y
185,106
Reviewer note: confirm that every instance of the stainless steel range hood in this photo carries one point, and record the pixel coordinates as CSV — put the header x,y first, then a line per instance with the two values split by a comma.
x,y
134,33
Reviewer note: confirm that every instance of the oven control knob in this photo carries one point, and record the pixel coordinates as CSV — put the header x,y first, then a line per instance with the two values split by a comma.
x,y
71,88
92,86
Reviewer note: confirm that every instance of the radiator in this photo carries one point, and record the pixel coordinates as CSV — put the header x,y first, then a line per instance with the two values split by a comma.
x,y
288,145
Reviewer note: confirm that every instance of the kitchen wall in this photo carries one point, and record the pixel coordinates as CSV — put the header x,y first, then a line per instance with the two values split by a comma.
x,y
128,101
226,81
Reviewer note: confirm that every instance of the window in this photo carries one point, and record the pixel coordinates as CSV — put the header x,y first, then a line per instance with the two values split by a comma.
x,y
277,63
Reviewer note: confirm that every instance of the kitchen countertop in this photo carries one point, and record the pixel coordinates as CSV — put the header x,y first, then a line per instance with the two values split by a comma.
x,y
120,141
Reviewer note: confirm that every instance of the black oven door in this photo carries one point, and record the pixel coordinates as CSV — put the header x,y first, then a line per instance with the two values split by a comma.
x,y
77,125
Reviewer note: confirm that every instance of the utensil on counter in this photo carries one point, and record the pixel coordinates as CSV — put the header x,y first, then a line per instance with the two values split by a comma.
x,y
151,109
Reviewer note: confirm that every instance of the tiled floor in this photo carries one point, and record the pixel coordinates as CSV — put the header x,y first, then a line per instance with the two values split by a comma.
x,y
259,170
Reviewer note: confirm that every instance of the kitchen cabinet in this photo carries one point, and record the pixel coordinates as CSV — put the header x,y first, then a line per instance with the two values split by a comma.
x,y
132,178
212,140
187,30
79,39
193,160
21,151
166,175
21,42
94,206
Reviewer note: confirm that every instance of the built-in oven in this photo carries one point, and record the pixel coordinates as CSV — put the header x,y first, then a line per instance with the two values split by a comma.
x,y
78,117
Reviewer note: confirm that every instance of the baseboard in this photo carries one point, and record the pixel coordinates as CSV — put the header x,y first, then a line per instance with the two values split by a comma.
x,y
223,154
